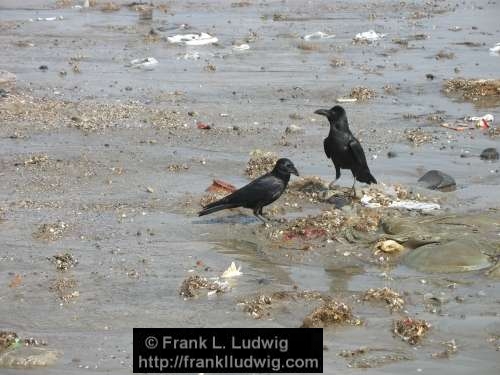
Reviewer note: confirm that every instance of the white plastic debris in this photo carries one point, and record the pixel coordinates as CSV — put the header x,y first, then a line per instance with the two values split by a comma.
x,y
318,35
495,50
147,63
484,121
193,39
369,36
241,47
50,18
406,204
414,205
232,271
346,100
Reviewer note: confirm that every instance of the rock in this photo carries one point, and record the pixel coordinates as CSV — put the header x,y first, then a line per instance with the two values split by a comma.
x,y
43,67
460,255
339,201
391,154
293,129
437,180
489,154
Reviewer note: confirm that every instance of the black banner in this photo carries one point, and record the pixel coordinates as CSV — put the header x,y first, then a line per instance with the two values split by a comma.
x,y
219,350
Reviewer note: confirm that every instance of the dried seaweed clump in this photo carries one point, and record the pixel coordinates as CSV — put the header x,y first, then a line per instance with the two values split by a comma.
x,y
257,307
260,163
51,232
7,339
192,285
411,330
330,313
473,89
64,261
362,93
366,220
65,289
310,188
373,357
326,224
36,159
418,136
389,296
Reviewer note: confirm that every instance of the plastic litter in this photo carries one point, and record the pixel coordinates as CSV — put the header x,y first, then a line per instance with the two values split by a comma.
x,y
241,47
495,50
318,35
48,19
346,100
369,36
232,271
483,122
193,39
147,63
406,204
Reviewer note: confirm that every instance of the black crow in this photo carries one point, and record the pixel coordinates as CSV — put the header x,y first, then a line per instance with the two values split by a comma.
x,y
343,148
258,193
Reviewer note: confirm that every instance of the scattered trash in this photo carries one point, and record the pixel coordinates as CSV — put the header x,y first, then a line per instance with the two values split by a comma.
x,y
16,281
147,63
64,261
330,313
418,136
369,36
202,125
411,205
483,122
489,154
260,163
495,50
346,100
194,55
232,271
318,35
192,285
241,47
450,348
177,167
389,296
51,232
59,18
454,28
437,180
36,160
193,39
221,187
411,330
388,246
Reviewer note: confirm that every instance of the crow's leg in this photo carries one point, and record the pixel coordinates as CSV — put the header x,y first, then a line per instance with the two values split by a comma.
x,y
337,176
257,212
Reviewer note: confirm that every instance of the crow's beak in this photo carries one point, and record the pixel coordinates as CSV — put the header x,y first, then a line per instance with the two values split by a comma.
x,y
323,112
294,171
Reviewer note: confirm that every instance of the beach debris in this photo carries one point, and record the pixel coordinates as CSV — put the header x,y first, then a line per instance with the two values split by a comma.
x,y
337,62
7,339
258,306
388,247
326,224
365,357
203,126
418,136
16,281
232,271
110,7
63,262
483,122
308,46
318,35
241,47
147,63
191,55
51,232
495,50
260,163
473,89
219,186
490,153
293,129
65,289
58,18
330,313
411,330
374,202
441,55
193,39
36,159
177,167
346,100
450,349
369,36
362,93
437,180
191,286
387,295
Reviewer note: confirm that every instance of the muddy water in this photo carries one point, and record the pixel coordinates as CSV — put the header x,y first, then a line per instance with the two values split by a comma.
x,y
135,247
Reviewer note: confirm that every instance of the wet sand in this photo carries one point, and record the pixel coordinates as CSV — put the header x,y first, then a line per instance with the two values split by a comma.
x,y
110,132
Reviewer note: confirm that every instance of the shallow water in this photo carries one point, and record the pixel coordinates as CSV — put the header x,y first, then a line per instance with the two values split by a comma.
x,y
128,280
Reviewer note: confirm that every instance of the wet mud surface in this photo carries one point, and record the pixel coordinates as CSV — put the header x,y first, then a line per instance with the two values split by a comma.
x,y
104,166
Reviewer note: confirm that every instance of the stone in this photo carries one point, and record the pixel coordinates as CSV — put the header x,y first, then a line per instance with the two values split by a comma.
x,y
489,154
437,180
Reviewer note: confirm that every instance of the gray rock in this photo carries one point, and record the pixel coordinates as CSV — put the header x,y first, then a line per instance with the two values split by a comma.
x,y
489,154
391,154
437,180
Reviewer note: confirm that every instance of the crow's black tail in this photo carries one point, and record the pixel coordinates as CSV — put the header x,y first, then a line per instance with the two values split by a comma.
x,y
216,206
366,177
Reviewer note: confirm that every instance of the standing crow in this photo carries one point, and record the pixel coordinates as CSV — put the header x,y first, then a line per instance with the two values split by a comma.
x,y
258,193
343,148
